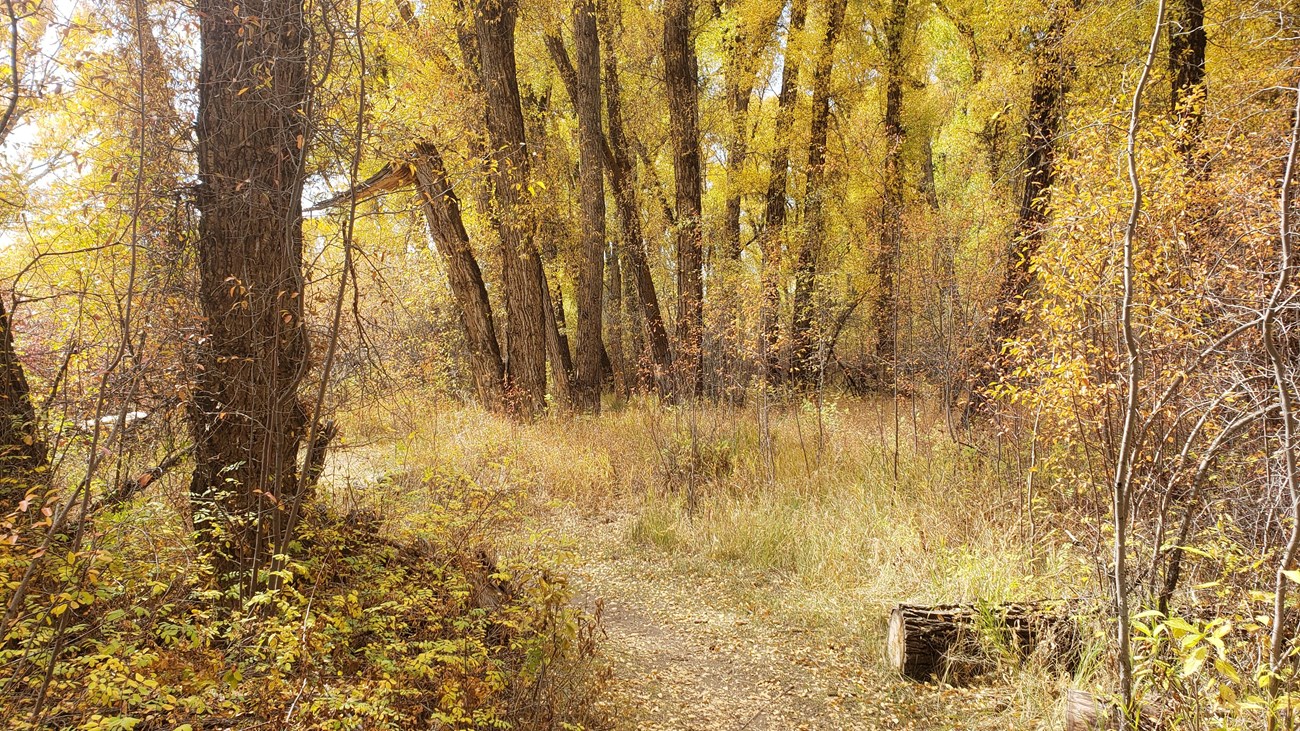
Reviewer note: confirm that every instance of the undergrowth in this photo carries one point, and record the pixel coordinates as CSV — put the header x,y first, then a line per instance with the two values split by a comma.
x,y
396,611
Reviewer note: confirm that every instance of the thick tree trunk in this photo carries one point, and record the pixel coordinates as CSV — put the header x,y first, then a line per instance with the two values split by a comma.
x,y
683,113
442,212
525,289
618,168
248,420
943,641
774,211
591,272
803,354
885,312
22,448
1187,41
1052,75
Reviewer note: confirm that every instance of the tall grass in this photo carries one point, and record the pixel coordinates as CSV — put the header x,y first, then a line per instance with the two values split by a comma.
x,y
829,504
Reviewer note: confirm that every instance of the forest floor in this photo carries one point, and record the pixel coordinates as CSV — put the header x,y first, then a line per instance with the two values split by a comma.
x,y
766,608
692,644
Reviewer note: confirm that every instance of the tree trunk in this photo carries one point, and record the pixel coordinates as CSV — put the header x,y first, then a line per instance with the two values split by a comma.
x,y
683,113
442,212
1187,42
885,311
649,315
804,351
591,273
248,421
944,641
525,289
775,200
614,322
556,334
1052,75
641,369
739,89
22,448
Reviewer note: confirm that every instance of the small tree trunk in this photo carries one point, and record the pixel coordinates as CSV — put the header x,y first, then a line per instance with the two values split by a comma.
x,y
683,112
614,326
648,315
640,361
802,366
442,212
1187,41
775,201
885,311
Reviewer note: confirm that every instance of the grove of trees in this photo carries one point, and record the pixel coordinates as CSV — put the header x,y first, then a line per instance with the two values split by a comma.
x,y
1065,225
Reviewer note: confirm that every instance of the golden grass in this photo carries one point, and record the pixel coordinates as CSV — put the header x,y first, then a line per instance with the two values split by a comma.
x,y
822,506
823,512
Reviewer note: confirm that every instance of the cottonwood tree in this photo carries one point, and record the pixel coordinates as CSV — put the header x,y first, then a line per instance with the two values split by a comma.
x,y
592,145
803,368
22,446
248,420
885,311
680,79
776,200
527,311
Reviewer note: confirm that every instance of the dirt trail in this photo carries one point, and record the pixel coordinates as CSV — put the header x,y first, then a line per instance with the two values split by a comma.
x,y
688,650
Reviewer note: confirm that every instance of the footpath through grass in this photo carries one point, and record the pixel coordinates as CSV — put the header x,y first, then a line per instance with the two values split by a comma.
x,y
742,579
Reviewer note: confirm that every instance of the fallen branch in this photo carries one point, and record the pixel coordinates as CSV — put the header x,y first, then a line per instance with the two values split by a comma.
x,y
131,486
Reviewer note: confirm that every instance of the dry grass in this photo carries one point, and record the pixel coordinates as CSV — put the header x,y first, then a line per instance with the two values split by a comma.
x,y
838,528
822,507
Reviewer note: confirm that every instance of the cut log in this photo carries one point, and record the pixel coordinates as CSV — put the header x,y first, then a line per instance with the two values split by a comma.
x,y
1086,712
944,641
1083,712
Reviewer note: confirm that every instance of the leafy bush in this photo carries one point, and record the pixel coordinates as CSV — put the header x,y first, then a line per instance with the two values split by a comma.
x,y
367,629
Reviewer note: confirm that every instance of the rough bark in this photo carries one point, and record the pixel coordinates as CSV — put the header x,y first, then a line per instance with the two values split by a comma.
x,y
1052,75
774,211
803,368
683,113
1187,41
525,290
943,641
738,82
22,448
618,167
247,418
569,78
885,311
591,271
442,213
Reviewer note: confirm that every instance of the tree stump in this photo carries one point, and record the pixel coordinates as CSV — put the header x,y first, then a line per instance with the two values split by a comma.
x,y
944,641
